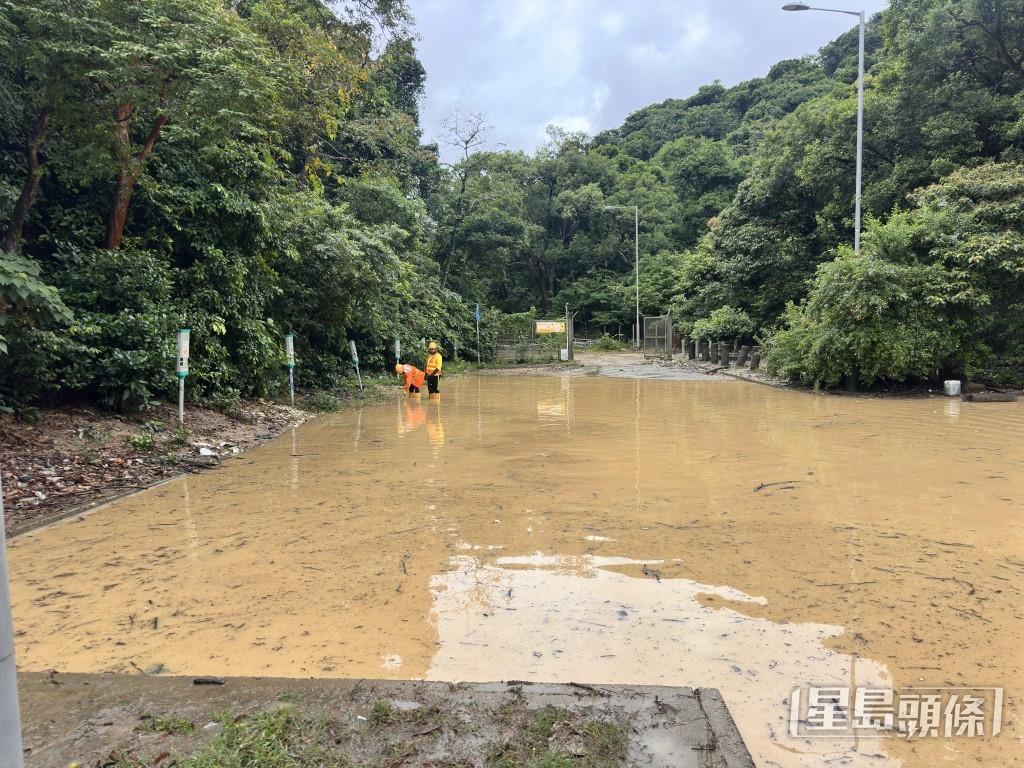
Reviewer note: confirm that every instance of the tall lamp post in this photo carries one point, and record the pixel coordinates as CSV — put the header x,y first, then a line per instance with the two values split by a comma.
x,y
636,240
860,107
10,717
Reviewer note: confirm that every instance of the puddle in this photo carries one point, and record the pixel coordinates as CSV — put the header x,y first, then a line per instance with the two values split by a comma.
x,y
790,540
589,619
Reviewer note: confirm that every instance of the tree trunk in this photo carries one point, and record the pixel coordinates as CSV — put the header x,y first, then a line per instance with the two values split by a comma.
x,y
131,168
449,256
540,273
12,240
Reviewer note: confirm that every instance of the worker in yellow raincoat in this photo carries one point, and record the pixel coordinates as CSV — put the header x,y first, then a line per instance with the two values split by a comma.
x,y
433,371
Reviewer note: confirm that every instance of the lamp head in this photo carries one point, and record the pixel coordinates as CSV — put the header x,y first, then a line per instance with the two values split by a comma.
x,y
610,207
796,7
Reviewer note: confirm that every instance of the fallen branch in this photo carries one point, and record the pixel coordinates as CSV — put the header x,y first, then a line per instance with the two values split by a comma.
x,y
780,482
847,584
589,689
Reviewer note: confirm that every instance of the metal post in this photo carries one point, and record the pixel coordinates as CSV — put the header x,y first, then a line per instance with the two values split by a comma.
x,y
860,108
478,334
398,350
860,135
636,245
636,210
289,350
355,361
181,370
10,715
569,336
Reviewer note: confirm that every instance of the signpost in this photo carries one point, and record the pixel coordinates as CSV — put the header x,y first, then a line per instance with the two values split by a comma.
x,y
549,326
182,371
478,334
355,361
289,351
398,350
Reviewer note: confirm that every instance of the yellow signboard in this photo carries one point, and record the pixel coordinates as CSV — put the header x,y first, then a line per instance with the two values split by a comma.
x,y
549,326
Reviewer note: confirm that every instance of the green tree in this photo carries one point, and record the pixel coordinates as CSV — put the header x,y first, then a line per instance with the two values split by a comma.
x,y
873,320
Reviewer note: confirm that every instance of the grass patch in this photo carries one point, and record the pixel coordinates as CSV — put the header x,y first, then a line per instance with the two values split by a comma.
x,y
389,736
172,726
555,737
322,402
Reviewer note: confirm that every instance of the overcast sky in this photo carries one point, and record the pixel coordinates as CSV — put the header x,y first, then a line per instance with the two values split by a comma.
x,y
586,64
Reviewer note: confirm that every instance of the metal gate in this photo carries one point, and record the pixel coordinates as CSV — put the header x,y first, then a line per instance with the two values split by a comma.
x,y
658,336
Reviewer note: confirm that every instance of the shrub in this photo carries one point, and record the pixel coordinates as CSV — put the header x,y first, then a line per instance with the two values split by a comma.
x,y
875,319
724,324
321,402
609,344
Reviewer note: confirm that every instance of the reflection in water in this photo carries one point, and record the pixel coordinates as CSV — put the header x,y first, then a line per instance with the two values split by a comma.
x,y
889,532
411,413
190,524
568,619
295,462
435,428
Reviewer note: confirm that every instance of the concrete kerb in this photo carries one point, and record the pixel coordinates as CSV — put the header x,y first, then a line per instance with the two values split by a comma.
x,y
82,718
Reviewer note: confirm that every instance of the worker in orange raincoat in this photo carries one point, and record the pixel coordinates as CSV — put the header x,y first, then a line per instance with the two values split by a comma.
x,y
414,377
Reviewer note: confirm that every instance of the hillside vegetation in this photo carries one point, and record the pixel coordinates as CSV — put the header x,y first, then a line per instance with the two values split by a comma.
x,y
255,168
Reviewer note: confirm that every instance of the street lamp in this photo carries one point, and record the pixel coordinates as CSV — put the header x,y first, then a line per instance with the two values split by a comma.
x,y
636,212
860,107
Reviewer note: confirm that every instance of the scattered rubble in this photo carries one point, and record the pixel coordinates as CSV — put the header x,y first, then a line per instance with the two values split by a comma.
x,y
58,459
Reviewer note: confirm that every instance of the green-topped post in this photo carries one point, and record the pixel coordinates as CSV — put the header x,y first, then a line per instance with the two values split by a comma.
x,y
289,351
181,371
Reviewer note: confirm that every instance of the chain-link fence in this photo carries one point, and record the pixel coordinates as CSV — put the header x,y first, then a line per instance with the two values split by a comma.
x,y
544,343
657,340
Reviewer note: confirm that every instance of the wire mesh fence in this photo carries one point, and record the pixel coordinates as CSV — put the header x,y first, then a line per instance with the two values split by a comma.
x,y
657,341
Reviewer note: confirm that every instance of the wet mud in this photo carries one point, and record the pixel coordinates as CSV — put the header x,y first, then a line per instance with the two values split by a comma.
x,y
595,529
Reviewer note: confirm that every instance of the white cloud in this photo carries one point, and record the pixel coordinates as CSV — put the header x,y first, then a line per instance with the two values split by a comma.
x,y
593,62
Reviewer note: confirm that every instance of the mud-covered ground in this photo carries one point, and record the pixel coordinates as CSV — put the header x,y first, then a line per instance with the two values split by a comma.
x,y
56,460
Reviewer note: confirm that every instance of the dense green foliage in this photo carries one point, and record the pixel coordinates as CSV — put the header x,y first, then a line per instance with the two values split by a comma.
x,y
254,168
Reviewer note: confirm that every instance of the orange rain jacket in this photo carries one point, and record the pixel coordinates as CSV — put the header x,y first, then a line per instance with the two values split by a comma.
x,y
414,377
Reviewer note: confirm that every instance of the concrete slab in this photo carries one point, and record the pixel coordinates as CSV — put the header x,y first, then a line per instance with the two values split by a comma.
x,y
83,719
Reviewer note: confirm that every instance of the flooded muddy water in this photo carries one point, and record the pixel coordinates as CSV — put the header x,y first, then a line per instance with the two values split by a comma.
x,y
584,529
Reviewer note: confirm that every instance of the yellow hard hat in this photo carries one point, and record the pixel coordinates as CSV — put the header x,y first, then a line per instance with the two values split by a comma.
x,y
432,346
398,368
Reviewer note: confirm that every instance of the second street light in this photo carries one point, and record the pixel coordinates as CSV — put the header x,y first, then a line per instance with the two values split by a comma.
x,y
636,236
860,107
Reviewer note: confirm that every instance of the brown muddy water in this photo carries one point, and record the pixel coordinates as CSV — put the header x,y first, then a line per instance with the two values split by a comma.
x,y
594,530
